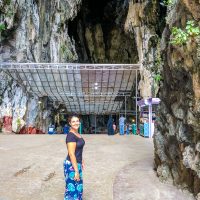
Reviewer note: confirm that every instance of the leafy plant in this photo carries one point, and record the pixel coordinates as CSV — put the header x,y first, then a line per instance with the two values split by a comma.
x,y
2,27
191,29
157,78
180,36
168,2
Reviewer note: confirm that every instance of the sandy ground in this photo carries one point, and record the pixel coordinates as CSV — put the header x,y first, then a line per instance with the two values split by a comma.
x,y
117,167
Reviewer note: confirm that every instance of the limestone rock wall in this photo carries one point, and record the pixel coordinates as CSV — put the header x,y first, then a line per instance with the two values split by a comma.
x,y
177,139
32,31
177,136
98,31
37,31
145,20
21,112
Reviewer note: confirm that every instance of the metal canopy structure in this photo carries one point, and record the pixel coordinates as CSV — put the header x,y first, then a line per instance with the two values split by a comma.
x,y
83,88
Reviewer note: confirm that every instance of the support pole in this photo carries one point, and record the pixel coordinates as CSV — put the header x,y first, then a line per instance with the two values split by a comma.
x,y
125,106
118,119
150,119
136,93
95,123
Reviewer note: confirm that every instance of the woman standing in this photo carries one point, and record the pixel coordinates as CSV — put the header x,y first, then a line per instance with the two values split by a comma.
x,y
74,164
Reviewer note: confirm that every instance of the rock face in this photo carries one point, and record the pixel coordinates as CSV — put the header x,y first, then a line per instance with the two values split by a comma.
x,y
19,110
99,33
178,127
177,136
147,20
36,30
32,31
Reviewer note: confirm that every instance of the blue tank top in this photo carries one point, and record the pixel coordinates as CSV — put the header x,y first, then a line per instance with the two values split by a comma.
x,y
80,142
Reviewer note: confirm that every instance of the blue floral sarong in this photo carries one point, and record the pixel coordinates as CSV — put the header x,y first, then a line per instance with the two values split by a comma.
x,y
73,189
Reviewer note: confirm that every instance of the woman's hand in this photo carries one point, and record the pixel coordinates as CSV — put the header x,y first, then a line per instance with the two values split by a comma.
x,y
77,176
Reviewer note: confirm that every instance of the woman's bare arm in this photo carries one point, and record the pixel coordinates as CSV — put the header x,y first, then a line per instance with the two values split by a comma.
x,y
71,146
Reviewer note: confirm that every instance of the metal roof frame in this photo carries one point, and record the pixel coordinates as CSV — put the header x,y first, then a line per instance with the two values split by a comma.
x,y
69,66
83,88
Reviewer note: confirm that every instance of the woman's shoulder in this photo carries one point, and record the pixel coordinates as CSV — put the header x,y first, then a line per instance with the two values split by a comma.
x,y
70,134
71,137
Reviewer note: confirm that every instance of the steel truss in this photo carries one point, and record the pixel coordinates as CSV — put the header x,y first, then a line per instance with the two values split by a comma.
x,y
83,88
69,66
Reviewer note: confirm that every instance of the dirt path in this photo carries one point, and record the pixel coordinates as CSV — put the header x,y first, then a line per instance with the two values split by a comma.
x,y
31,168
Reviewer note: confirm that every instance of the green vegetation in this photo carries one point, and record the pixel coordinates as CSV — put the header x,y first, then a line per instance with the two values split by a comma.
x,y
157,62
7,2
157,68
10,12
18,122
2,27
66,53
191,29
180,37
157,78
168,2
63,49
